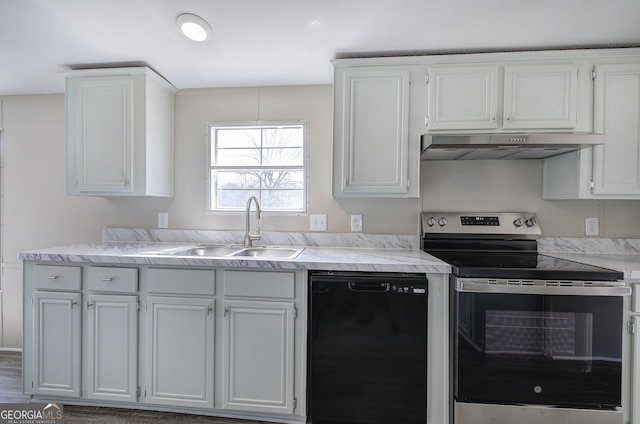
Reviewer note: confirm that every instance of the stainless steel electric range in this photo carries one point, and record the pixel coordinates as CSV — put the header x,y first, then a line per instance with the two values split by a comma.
x,y
530,332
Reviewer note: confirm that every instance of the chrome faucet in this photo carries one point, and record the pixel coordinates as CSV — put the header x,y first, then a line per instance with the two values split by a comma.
x,y
248,237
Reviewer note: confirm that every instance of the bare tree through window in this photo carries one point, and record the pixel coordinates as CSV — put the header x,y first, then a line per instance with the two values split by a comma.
x,y
266,161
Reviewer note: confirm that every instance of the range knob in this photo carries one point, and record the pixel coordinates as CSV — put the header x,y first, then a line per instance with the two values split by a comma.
x,y
431,221
519,222
442,221
530,222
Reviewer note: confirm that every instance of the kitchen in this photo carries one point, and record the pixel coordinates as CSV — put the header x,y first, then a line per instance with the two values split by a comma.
x,y
34,163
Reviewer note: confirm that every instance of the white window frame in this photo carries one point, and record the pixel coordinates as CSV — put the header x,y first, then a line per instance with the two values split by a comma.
x,y
210,201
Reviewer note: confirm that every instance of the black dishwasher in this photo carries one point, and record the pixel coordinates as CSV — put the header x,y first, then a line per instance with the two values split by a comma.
x,y
367,348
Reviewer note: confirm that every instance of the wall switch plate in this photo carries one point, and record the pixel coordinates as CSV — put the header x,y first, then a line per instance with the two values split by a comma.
x,y
591,226
163,220
318,222
356,223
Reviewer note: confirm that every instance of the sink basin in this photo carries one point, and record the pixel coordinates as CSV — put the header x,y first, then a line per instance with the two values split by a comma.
x,y
239,251
210,251
269,252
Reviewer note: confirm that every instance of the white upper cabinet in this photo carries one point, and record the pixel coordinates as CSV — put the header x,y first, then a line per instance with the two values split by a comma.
x,y
119,133
611,171
373,154
616,165
463,98
543,97
534,97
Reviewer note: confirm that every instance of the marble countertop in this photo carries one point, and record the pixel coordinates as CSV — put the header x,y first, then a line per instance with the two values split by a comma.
x,y
312,258
618,254
322,251
629,264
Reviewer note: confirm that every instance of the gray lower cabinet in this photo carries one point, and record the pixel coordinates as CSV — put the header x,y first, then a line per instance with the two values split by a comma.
x,y
258,356
57,348
259,341
112,347
210,341
180,351
111,319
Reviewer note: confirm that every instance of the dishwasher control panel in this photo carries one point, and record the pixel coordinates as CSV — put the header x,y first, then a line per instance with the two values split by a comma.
x,y
407,288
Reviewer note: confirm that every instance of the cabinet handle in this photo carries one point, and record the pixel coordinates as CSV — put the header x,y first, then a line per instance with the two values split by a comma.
x,y
52,277
509,118
107,279
89,305
73,304
209,310
494,118
226,310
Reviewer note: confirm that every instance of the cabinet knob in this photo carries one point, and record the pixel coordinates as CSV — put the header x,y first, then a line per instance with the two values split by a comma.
x,y
509,118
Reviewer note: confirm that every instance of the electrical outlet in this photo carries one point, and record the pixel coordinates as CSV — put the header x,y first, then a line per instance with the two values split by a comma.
x,y
356,223
318,222
163,220
591,226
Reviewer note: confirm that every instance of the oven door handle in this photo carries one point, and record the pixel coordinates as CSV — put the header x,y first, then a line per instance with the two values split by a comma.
x,y
541,289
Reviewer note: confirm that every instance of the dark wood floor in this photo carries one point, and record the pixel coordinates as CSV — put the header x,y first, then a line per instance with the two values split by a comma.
x,y
11,392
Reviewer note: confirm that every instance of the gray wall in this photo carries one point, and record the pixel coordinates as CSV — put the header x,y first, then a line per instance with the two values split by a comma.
x,y
37,213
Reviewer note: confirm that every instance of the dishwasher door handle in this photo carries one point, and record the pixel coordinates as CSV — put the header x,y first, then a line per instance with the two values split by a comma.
x,y
366,287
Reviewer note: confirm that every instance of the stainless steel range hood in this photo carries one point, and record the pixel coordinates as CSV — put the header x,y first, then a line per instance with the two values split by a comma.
x,y
504,146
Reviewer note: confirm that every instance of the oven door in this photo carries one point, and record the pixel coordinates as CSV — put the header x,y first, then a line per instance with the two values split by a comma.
x,y
538,345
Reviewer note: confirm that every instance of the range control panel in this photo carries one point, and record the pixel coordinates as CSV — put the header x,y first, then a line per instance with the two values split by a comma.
x,y
523,224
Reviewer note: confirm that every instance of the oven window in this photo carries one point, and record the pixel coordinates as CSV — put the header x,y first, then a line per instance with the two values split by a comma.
x,y
557,335
534,349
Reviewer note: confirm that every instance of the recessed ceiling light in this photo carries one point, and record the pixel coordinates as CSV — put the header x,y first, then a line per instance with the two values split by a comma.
x,y
193,27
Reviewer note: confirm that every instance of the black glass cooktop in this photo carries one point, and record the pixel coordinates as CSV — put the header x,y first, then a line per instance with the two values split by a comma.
x,y
523,266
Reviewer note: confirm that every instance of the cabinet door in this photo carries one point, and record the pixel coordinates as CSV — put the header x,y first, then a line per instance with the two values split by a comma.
x,y
462,98
616,165
112,347
57,344
540,96
258,356
180,335
634,414
100,133
371,132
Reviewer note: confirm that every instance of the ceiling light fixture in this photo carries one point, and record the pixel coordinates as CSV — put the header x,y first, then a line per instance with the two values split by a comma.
x,y
193,27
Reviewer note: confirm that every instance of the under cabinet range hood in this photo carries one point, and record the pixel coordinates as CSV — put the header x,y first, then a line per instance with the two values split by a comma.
x,y
504,146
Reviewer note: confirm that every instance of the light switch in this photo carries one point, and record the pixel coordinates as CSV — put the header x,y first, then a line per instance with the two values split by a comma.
x,y
318,222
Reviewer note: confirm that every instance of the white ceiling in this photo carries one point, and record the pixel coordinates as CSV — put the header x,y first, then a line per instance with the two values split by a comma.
x,y
284,42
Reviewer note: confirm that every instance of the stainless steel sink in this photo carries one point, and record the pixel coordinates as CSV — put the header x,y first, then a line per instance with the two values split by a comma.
x,y
238,252
269,252
210,251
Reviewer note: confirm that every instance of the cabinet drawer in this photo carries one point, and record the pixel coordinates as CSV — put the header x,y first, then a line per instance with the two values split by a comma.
x,y
110,279
56,277
182,281
259,284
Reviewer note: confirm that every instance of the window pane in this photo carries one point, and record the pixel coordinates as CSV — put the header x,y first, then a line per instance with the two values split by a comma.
x,y
283,199
282,179
238,137
234,199
238,157
236,179
283,137
283,157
